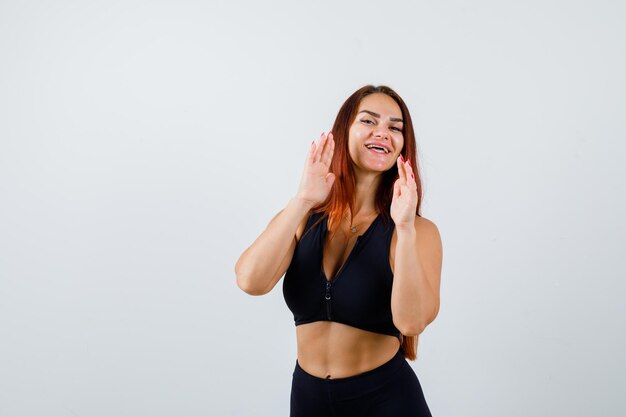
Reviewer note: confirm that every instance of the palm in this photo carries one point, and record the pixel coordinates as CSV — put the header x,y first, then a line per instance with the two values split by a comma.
x,y
316,179
404,201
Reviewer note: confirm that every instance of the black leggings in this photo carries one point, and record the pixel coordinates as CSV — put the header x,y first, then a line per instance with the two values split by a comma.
x,y
391,390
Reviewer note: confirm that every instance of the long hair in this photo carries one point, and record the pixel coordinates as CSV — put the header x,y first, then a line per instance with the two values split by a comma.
x,y
342,194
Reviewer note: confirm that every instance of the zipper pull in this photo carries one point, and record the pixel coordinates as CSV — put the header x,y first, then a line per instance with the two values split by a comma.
x,y
328,297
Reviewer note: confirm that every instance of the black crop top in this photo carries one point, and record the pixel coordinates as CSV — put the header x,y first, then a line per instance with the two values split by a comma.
x,y
360,293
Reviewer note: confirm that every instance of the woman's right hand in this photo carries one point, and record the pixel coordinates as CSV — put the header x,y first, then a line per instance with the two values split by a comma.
x,y
316,181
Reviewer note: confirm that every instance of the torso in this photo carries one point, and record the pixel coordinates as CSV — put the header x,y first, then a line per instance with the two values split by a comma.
x,y
328,349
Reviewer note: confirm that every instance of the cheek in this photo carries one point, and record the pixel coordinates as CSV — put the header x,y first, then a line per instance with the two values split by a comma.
x,y
398,143
356,133
354,137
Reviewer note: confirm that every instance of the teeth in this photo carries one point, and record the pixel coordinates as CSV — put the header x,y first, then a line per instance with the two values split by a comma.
x,y
377,147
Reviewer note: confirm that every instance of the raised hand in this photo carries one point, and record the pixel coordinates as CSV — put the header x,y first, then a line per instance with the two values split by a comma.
x,y
404,201
316,181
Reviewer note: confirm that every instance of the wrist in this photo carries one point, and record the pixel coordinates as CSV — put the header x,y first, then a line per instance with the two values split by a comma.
x,y
406,230
301,204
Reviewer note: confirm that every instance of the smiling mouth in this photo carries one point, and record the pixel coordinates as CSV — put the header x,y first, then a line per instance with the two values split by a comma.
x,y
378,149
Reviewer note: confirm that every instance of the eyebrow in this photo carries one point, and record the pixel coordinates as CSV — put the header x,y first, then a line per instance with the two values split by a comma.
x,y
393,119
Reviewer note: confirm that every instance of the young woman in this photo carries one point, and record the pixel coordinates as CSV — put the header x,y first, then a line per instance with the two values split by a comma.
x,y
362,267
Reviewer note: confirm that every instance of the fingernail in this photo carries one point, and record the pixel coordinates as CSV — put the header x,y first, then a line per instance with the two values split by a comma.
x,y
330,132
401,158
412,176
313,143
410,162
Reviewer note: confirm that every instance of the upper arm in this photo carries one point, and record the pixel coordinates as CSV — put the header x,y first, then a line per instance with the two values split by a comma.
x,y
430,253
286,261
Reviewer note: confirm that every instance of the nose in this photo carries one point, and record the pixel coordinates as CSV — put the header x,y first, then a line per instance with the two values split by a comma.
x,y
381,132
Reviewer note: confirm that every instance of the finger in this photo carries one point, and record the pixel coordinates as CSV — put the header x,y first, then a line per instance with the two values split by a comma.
x,y
330,179
316,147
311,154
396,188
410,175
329,150
407,171
320,148
401,173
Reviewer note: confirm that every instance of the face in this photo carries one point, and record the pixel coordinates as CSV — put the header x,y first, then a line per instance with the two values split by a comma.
x,y
375,139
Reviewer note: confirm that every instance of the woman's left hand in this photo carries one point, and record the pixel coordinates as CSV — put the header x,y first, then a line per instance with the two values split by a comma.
x,y
404,202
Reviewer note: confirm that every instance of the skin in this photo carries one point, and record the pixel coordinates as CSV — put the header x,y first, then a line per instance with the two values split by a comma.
x,y
329,349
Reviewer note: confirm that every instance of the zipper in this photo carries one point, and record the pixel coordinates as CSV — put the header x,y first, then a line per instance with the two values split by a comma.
x,y
327,295
328,298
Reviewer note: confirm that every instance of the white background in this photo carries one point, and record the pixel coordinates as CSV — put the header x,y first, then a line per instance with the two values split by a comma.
x,y
145,144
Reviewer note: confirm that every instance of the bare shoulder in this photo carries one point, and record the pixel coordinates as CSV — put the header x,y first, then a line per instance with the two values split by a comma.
x,y
426,227
427,237
427,233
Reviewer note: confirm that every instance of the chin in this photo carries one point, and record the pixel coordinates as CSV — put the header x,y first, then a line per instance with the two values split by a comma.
x,y
380,168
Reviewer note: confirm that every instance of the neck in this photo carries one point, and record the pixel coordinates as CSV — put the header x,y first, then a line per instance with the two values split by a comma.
x,y
365,193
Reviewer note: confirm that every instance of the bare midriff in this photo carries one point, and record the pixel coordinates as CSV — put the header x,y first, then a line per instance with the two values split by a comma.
x,y
333,350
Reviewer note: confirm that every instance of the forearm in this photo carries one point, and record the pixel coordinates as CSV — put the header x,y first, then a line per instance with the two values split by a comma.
x,y
413,302
257,267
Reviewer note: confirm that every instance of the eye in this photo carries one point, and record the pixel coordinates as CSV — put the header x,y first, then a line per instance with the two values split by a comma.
x,y
396,128
367,121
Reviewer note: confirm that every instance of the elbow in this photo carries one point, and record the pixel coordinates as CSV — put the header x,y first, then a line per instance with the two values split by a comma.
x,y
246,284
415,327
250,289
411,329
